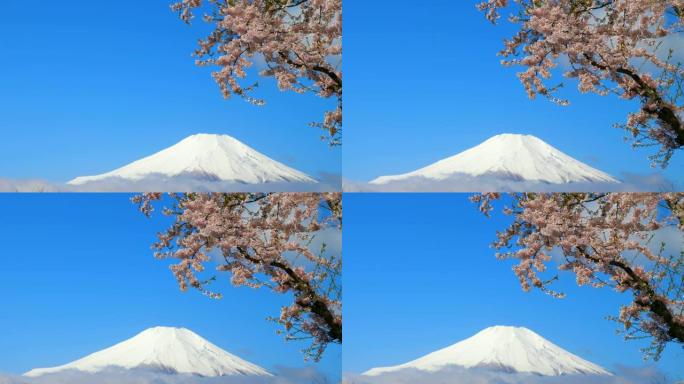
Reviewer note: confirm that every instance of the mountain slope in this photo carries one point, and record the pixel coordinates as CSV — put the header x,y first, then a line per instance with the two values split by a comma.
x,y
205,157
509,156
508,349
175,350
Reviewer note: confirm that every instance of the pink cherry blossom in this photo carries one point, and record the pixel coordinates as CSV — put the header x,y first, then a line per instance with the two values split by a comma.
x,y
612,47
300,42
261,241
605,240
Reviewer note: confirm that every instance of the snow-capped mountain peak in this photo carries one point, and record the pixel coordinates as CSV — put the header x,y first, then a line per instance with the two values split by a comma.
x,y
167,349
510,156
207,157
503,348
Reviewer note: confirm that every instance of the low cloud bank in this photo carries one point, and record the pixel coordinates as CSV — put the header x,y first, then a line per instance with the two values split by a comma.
x,y
625,375
282,376
329,183
9,185
468,183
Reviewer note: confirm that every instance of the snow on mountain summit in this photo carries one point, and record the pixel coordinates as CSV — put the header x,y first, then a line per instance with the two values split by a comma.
x,y
174,350
502,348
206,156
512,156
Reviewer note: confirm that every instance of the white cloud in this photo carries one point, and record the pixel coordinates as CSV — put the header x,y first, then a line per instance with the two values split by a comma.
x,y
284,375
479,376
9,185
468,183
165,184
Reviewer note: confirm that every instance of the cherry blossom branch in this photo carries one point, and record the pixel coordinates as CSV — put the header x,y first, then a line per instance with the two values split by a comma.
x,y
652,101
307,297
264,240
298,40
601,41
647,297
594,233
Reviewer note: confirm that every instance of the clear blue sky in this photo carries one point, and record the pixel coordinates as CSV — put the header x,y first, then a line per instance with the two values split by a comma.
x,y
419,276
88,86
78,275
424,83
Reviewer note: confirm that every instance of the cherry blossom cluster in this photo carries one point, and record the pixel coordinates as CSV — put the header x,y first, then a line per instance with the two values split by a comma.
x,y
299,42
262,241
605,240
617,47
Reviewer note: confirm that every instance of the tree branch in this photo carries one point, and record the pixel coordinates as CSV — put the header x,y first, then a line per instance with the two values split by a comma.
x,y
665,112
655,304
316,306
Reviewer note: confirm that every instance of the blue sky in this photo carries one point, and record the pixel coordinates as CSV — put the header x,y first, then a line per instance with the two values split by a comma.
x,y
89,86
420,276
424,83
78,276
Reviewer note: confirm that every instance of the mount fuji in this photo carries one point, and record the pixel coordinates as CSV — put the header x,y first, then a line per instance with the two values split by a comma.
x,y
509,350
162,349
501,162
200,158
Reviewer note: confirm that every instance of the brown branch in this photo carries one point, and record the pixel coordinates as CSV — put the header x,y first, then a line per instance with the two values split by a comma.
x,y
318,68
655,304
665,112
316,305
